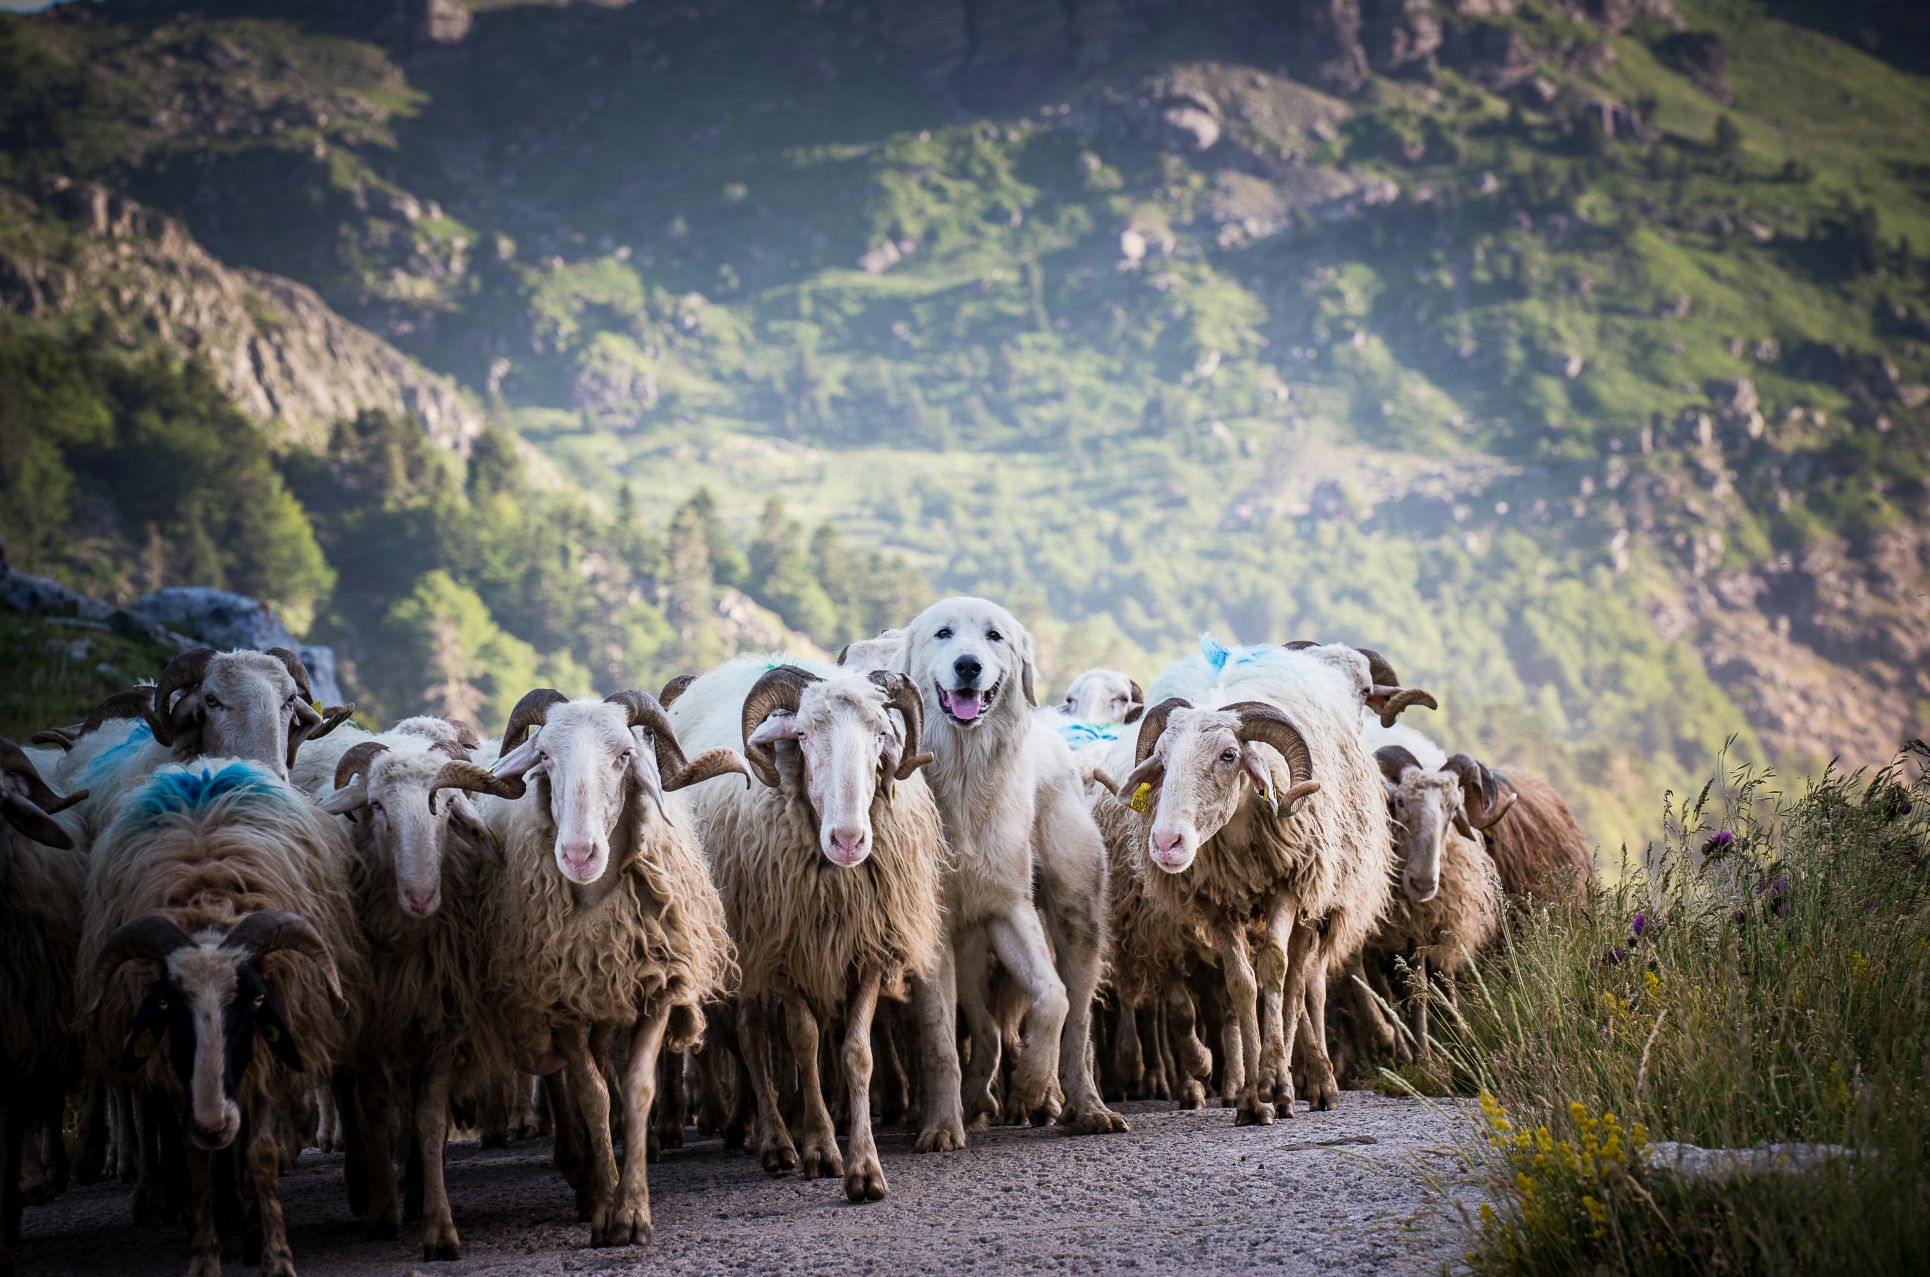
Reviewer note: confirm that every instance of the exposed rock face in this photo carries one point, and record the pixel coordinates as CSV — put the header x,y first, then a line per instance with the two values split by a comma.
x,y
221,619
278,351
1495,57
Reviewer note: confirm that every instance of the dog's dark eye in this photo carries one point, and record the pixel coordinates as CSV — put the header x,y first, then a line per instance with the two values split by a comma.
x,y
995,636
944,633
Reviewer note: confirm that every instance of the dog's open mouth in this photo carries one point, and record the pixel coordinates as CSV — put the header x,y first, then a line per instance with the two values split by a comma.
x,y
968,705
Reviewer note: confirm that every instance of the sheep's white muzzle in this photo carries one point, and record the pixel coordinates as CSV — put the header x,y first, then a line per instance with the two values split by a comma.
x,y
1172,852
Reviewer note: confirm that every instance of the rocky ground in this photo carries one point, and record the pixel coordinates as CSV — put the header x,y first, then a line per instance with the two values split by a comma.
x,y
1184,1192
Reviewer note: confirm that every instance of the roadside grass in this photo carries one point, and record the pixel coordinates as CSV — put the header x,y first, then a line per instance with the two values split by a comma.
x,y
45,687
1762,978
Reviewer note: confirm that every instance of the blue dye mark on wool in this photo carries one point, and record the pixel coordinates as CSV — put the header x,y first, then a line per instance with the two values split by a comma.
x,y
184,791
115,755
1214,651
1080,735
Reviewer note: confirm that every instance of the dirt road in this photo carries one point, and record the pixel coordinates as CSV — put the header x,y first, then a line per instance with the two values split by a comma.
x,y
1184,1192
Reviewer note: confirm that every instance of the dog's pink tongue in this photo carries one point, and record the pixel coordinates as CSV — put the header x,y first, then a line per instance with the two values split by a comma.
x,y
965,706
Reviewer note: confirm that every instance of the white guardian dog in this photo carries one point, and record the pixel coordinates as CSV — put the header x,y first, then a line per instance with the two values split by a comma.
x,y
1015,816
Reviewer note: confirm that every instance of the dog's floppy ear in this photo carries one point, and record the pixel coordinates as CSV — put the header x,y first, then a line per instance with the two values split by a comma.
x,y
1026,670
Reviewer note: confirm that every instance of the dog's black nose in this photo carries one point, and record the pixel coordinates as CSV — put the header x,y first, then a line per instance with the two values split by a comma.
x,y
968,669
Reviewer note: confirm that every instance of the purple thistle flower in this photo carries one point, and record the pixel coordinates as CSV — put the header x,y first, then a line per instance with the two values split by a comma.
x,y
1636,926
1779,885
1719,840
1739,916
1615,955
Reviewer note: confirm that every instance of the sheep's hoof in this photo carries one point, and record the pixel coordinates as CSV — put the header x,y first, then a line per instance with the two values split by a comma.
x,y
1253,1113
778,1157
669,1136
1194,1096
947,1137
1097,1120
865,1182
820,1159
386,1229
628,1224
1323,1096
200,1266
439,1242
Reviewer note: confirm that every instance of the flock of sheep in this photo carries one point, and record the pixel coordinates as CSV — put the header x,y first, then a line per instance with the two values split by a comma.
x,y
920,899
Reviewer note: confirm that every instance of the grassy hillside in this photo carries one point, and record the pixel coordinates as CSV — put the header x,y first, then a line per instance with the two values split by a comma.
x,y
1582,368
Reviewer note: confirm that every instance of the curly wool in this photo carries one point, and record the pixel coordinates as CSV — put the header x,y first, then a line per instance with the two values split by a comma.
x,y
1537,847
1149,944
658,934
206,844
1333,856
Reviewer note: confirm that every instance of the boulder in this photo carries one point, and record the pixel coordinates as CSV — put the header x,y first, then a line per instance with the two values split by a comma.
x,y
222,619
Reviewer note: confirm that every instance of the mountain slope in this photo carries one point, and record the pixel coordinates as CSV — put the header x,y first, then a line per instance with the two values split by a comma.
x,y
1573,351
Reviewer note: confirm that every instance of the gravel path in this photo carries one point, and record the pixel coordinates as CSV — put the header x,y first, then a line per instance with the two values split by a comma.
x,y
1184,1192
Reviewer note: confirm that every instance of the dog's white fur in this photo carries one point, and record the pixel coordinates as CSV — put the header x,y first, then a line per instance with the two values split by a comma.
x,y
1014,811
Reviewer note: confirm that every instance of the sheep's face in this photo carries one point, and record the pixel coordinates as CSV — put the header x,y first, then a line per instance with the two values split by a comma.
x,y
393,796
848,743
1206,773
1421,806
966,656
205,1010
585,759
1102,696
245,706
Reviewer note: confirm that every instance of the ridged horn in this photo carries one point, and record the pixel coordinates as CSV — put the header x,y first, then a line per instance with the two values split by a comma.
x,y
14,761
1400,699
296,670
265,932
781,687
357,760
674,688
1269,725
149,937
1139,701
532,711
460,773
903,697
184,671
708,765
132,703
1395,760
53,736
646,711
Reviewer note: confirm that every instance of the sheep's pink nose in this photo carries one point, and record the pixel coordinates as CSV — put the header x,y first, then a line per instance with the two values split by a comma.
x,y
1422,889
847,845
420,902
577,856
1165,845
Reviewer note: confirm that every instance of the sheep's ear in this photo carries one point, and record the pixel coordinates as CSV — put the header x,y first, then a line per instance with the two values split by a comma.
x,y
643,765
349,798
775,728
466,820
1257,773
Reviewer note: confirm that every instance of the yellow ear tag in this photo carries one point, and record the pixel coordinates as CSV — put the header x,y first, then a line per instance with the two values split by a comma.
x,y
270,1032
316,706
143,1046
1142,799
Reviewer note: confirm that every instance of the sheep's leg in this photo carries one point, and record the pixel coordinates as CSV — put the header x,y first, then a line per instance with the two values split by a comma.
x,y
1019,939
205,1243
155,1199
894,1087
864,1176
263,1156
44,1170
592,1104
1162,1082
13,1133
568,1155
988,1037
378,1155
1194,1062
1303,956
673,1109
353,1143
327,1123
90,1143
1074,860
774,1148
1423,993
1378,982
1271,968
819,1156
602,1048
942,1124
439,1239
630,1222
1129,1056
1323,1087
123,1137
528,1114
495,1115
1380,1034
1243,1010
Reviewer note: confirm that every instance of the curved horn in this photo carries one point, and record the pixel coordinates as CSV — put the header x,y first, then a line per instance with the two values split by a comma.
x,y
357,760
53,736
14,761
1104,781
460,773
1299,645
781,687
646,711
150,937
903,697
532,711
1269,725
1484,797
708,765
1394,760
842,653
465,733
263,933
296,670
1134,714
1397,699
184,671
1152,724
132,703
333,716
674,688
1379,669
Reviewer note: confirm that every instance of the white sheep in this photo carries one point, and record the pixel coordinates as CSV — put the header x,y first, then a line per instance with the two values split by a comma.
x,y
602,916
426,861
1279,857
1103,696
829,871
216,877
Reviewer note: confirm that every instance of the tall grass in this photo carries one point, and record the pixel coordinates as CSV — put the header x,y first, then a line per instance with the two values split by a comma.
x,y
1763,977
